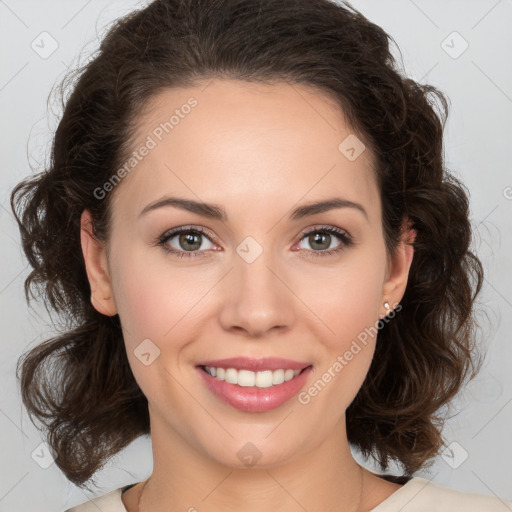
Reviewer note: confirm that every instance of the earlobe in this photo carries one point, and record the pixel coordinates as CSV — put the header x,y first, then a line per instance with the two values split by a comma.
x,y
96,267
400,264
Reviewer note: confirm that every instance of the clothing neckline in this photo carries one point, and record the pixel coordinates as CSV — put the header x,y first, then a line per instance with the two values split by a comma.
x,y
407,483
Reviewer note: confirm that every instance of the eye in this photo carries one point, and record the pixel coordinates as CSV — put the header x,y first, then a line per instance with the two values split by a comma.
x,y
321,238
188,243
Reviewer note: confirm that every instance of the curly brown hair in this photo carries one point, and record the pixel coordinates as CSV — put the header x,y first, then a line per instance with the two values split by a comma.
x,y
79,385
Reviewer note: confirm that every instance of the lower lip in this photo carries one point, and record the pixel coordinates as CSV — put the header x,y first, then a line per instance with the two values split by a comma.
x,y
253,399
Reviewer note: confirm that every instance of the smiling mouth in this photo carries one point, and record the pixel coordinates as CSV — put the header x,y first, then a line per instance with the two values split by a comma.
x,y
248,378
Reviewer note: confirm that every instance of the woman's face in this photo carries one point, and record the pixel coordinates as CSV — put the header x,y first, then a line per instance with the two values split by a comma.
x,y
261,282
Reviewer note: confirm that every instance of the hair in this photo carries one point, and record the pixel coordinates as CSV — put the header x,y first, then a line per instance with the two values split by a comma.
x,y
78,385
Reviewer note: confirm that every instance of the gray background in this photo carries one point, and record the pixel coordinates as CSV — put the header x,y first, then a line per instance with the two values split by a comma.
x,y
478,146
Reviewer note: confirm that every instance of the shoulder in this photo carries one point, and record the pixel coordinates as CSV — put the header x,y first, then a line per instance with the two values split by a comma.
x,y
422,495
110,502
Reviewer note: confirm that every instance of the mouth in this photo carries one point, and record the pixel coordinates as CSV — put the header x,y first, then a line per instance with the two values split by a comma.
x,y
254,385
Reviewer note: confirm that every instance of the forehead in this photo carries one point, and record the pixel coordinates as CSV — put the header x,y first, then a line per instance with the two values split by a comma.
x,y
229,141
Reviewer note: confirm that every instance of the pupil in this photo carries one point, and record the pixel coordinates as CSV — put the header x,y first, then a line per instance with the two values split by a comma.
x,y
189,239
319,237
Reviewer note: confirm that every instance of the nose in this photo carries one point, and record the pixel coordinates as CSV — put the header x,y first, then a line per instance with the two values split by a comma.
x,y
256,297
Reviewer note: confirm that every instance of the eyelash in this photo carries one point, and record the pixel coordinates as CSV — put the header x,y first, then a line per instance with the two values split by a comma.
x,y
345,238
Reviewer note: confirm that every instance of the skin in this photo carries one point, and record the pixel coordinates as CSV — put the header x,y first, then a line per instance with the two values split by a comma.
x,y
258,151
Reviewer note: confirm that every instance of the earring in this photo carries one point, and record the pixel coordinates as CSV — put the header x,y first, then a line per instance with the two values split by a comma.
x,y
387,306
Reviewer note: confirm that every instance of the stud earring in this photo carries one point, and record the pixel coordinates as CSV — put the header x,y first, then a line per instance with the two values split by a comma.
x,y
387,306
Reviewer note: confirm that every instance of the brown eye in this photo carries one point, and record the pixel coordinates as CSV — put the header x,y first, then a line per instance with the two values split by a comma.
x,y
189,241
181,241
321,239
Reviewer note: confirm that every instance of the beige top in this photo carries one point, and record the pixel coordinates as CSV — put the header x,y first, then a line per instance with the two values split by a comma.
x,y
417,495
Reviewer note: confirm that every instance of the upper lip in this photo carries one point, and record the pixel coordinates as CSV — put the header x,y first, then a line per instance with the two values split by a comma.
x,y
247,363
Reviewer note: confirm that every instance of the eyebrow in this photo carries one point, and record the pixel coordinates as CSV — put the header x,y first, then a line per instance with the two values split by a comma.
x,y
216,212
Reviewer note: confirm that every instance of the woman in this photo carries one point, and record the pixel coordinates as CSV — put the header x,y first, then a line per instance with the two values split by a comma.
x,y
248,222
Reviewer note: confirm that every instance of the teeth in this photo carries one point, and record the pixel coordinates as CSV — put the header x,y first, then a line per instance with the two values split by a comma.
x,y
247,378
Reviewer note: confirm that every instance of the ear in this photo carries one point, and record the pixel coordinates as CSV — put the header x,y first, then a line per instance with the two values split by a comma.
x,y
399,266
102,297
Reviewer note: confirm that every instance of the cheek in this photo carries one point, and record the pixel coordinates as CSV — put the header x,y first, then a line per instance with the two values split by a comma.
x,y
346,299
160,303
155,307
150,297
